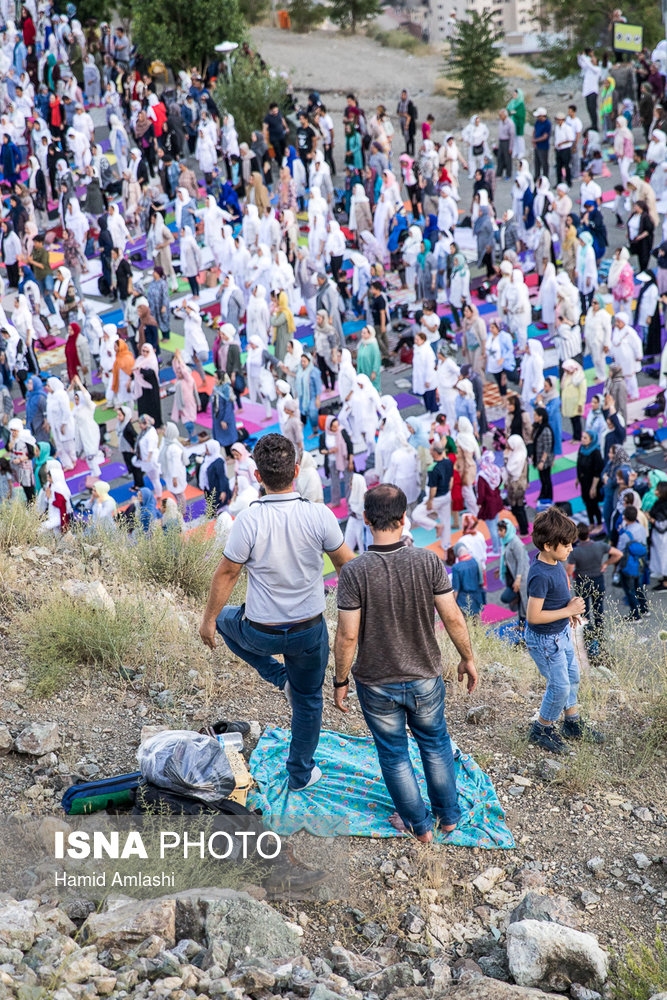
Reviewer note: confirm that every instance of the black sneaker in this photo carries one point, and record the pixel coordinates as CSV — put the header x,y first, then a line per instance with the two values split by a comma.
x,y
547,738
576,729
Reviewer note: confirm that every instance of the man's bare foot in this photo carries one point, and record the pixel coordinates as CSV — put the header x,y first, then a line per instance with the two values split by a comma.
x,y
398,824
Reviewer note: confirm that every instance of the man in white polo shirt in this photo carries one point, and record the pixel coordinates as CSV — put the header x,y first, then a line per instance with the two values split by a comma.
x,y
563,142
590,190
280,539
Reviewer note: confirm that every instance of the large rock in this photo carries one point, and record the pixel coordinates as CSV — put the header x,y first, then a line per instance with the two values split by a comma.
x,y
248,924
91,592
491,989
394,977
128,925
351,966
19,924
557,909
6,741
38,738
549,954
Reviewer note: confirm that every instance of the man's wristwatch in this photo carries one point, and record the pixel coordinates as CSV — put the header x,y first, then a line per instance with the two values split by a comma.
x,y
341,684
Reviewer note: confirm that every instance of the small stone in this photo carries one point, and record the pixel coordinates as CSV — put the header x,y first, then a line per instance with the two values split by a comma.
x,y
643,814
520,779
595,864
38,739
165,699
641,860
549,769
579,992
480,713
589,898
93,593
488,879
516,790
6,741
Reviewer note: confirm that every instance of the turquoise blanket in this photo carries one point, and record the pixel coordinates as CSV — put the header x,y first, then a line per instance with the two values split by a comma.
x,y
351,797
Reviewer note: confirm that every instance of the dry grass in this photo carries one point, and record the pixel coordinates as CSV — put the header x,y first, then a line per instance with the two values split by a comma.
x,y
19,525
398,39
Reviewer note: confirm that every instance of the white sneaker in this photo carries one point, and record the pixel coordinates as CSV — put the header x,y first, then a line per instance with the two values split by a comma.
x,y
315,776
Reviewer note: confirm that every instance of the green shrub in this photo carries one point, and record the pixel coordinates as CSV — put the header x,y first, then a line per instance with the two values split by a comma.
x,y
19,525
248,94
171,559
305,14
396,39
642,971
64,635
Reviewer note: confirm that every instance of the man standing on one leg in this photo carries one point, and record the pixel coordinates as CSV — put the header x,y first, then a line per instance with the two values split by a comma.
x,y
436,510
398,670
280,539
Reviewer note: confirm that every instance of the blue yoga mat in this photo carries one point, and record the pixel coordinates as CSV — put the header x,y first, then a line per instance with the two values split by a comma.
x,y
351,798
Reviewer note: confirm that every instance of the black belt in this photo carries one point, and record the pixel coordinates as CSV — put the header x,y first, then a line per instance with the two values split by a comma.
x,y
277,629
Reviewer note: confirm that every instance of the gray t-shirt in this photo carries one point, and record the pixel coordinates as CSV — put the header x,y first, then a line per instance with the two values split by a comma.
x,y
280,539
587,558
394,586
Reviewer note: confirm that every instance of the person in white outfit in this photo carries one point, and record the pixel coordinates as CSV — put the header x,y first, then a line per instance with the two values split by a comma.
x,y
627,351
61,422
447,376
547,297
86,428
518,308
173,464
597,335
148,453
354,529
424,382
196,349
476,134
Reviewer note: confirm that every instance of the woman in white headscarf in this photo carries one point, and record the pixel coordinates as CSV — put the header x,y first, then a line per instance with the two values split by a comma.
x,y
61,422
347,375
22,320
385,210
354,529
467,455
621,281
206,154
259,272
254,367
452,158
624,145
196,349
282,278
250,225
76,223
173,464
213,222
532,373
291,364
158,247
518,308
230,138
120,234
392,427
547,297
240,266
148,452
108,357
362,410
523,180
567,298
54,500
132,186
86,428
403,470
476,134
308,483
587,270
411,250
258,319
597,336
361,217
318,213
20,445
120,144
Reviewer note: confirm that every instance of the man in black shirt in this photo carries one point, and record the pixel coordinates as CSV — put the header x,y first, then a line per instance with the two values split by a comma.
x,y
436,510
275,132
305,137
122,277
378,307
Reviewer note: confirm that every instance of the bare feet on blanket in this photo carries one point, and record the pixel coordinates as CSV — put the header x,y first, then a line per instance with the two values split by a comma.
x,y
398,824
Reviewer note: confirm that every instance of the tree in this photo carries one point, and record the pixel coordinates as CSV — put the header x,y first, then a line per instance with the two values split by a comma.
x,y
473,62
249,93
351,13
183,33
583,24
306,14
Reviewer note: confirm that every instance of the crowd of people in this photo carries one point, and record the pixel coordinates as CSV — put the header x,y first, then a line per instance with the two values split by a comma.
x,y
317,263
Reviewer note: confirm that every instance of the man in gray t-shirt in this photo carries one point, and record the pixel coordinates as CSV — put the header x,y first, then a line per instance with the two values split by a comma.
x,y
386,602
281,540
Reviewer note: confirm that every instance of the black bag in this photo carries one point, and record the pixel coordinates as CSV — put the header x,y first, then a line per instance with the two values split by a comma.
x,y
238,383
203,401
150,798
103,286
478,150
329,409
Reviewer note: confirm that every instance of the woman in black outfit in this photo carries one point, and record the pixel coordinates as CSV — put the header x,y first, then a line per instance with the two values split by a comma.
x,y
643,241
543,452
589,472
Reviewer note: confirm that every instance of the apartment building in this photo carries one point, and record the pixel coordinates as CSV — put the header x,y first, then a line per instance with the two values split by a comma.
x,y
515,18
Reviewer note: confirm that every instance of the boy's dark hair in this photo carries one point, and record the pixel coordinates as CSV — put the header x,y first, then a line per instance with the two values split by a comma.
x,y
553,528
630,514
276,461
272,105
384,506
4,465
619,188
572,107
377,285
583,531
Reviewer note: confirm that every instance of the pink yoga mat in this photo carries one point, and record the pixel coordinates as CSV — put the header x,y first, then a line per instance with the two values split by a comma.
x,y
492,613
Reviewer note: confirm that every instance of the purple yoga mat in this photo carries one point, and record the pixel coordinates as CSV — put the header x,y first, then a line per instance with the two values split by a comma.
x,y
405,399
108,472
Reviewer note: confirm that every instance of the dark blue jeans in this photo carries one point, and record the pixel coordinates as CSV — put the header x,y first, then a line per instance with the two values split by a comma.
x,y
636,595
421,703
306,654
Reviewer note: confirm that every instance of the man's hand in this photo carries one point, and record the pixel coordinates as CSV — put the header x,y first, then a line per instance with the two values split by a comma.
x,y
340,698
468,667
207,631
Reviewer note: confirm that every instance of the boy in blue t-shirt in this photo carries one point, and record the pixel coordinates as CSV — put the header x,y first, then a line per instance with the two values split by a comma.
x,y
550,612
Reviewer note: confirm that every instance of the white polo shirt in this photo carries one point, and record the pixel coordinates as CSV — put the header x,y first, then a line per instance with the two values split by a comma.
x,y
281,539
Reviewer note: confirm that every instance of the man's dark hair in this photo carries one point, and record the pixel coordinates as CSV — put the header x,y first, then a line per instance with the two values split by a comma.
x,y
275,458
377,285
583,531
350,97
384,506
272,105
572,107
553,528
630,514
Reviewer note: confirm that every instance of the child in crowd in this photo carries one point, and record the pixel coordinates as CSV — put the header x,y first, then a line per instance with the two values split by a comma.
x,y
619,205
550,614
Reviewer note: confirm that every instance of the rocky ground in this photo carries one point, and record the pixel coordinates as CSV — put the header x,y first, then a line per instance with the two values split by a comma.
x,y
590,865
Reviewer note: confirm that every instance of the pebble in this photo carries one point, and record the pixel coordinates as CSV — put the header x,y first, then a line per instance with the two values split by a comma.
x,y
589,898
643,814
641,860
595,864
516,790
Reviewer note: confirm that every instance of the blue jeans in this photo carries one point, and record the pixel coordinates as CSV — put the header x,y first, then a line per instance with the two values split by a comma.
x,y
306,654
556,660
47,285
492,525
386,708
635,593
